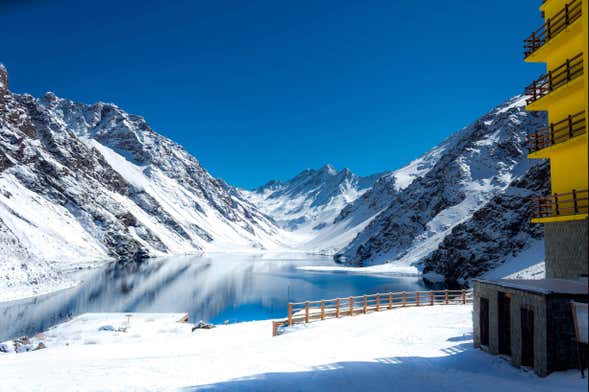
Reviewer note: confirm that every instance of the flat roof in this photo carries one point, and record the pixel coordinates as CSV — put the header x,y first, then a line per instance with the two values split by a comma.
x,y
543,286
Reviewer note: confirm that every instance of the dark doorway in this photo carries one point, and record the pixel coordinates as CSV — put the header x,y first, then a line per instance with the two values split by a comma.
x,y
484,321
527,320
504,315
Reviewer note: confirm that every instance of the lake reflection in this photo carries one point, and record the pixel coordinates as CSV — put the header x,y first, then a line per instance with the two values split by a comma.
x,y
211,288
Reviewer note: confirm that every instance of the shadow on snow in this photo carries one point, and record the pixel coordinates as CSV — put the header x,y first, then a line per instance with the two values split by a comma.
x,y
463,368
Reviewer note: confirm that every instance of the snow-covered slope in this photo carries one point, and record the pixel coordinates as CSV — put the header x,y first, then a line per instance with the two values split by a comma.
x,y
495,234
471,168
424,210
312,199
308,204
88,182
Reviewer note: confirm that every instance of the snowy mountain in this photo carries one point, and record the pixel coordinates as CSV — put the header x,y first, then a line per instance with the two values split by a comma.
x,y
496,232
472,168
325,209
311,199
308,204
424,216
80,183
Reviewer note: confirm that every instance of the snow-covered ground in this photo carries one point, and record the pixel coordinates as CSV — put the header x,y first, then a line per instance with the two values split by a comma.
x,y
411,349
529,264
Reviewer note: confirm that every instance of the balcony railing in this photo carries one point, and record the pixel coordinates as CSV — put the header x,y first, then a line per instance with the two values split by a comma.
x,y
561,75
558,132
561,204
552,26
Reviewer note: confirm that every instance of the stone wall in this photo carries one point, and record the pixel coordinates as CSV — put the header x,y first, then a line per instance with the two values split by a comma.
x,y
561,333
519,299
553,325
566,249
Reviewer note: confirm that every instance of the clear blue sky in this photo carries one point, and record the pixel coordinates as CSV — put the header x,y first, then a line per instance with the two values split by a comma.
x,y
263,89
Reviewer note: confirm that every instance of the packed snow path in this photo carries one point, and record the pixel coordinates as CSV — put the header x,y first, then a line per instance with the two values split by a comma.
x,y
410,349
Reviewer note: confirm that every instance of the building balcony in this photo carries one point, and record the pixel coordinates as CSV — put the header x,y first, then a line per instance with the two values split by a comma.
x,y
558,132
555,78
553,26
568,205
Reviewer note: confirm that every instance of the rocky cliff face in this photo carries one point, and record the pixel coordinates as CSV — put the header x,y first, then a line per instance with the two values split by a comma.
x,y
413,216
86,182
502,228
476,165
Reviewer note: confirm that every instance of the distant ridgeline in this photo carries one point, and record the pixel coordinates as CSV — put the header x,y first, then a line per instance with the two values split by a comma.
x,y
83,182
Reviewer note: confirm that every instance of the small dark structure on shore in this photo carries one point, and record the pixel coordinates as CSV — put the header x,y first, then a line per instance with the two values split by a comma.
x,y
528,320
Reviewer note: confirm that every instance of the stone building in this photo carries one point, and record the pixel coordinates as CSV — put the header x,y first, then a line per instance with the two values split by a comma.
x,y
531,321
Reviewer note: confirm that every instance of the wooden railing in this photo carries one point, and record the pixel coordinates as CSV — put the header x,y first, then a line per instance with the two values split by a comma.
x,y
561,75
558,132
552,26
309,311
561,204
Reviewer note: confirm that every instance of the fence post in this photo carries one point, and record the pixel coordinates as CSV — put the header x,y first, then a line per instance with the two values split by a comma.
x,y
364,304
463,296
557,211
351,306
322,311
403,298
551,133
566,14
568,65
306,311
431,298
390,306
575,204
571,134
539,212
446,296
548,29
337,308
289,314
377,302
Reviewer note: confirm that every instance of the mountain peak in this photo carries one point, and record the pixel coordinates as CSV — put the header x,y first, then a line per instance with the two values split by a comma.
x,y
49,96
329,169
3,77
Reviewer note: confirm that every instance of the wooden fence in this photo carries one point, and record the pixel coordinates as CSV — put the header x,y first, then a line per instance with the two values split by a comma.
x,y
558,132
555,78
561,204
309,311
552,26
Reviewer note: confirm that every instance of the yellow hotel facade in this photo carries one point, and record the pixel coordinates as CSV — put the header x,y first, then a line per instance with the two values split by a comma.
x,y
562,44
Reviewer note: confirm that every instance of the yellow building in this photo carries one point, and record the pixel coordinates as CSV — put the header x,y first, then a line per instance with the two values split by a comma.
x,y
561,42
530,320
